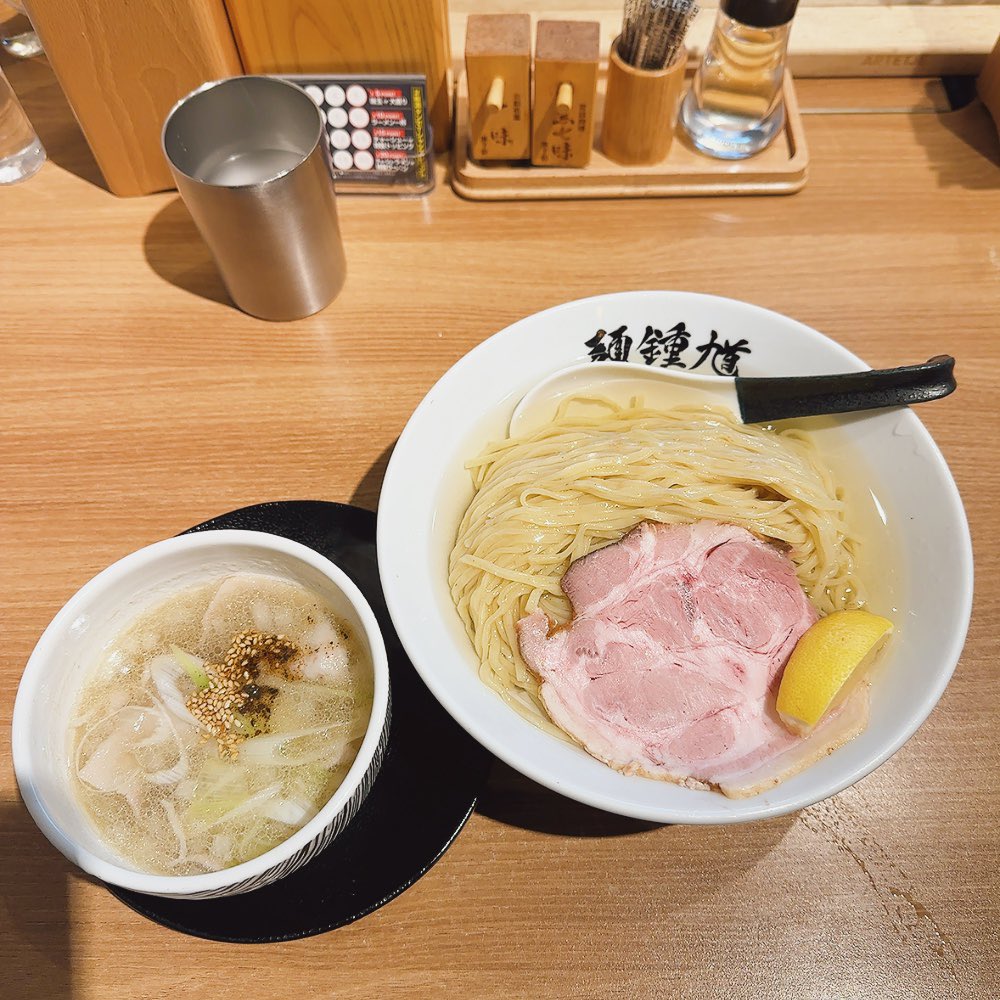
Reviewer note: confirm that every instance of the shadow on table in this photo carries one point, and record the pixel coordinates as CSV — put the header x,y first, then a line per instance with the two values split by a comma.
x,y
176,252
35,947
730,851
973,165
511,798
49,113
366,493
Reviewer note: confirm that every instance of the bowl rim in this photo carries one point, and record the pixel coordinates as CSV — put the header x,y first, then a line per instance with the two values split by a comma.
x,y
748,809
44,655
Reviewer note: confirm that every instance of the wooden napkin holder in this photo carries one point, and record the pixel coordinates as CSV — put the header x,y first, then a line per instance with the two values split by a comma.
x,y
123,66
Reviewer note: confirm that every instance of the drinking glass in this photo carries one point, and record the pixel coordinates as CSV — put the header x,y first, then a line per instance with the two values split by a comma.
x,y
21,153
25,44
251,162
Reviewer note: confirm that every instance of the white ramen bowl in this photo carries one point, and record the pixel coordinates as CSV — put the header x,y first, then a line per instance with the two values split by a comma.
x,y
94,616
918,564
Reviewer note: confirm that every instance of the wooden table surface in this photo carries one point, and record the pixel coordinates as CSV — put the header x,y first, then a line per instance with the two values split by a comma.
x,y
135,401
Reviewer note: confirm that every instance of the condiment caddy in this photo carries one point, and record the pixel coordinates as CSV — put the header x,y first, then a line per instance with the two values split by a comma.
x,y
782,168
606,128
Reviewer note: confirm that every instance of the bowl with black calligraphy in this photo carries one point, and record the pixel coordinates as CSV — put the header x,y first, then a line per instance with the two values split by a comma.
x,y
882,469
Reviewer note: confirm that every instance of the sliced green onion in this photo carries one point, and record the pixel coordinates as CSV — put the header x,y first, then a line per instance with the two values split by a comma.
x,y
193,667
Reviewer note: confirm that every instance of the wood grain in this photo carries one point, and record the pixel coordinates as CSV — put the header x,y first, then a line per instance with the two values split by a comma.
x,y
351,36
135,402
124,65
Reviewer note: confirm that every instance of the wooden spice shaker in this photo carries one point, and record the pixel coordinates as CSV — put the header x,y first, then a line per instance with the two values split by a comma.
x,y
498,69
564,93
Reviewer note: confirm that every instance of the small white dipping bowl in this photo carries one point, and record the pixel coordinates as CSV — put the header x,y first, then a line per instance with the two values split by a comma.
x,y
95,615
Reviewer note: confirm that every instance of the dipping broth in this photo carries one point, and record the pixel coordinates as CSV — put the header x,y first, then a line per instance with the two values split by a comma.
x,y
219,723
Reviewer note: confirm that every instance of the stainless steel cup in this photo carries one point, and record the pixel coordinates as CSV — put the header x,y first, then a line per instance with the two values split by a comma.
x,y
251,164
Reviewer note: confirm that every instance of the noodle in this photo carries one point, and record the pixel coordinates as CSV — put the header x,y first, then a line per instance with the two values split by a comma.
x,y
596,471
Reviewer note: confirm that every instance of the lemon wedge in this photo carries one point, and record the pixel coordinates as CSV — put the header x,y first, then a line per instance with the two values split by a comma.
x,y
824,659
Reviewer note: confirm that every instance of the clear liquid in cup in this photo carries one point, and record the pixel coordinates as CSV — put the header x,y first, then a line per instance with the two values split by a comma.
x,y
252,166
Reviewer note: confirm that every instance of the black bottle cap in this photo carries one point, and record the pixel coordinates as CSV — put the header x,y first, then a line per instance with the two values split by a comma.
x,y
760,13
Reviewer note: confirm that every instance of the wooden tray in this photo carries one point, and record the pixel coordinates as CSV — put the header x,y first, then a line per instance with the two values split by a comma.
x,y
779,169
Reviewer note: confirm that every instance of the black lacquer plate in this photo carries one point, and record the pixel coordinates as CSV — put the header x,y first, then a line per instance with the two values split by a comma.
x,y
426,790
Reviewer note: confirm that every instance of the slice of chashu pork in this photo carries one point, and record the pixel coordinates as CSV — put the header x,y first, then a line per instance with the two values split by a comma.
x,y
671,663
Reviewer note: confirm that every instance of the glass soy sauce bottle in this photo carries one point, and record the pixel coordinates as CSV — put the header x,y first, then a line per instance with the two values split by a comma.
x,y
735,106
